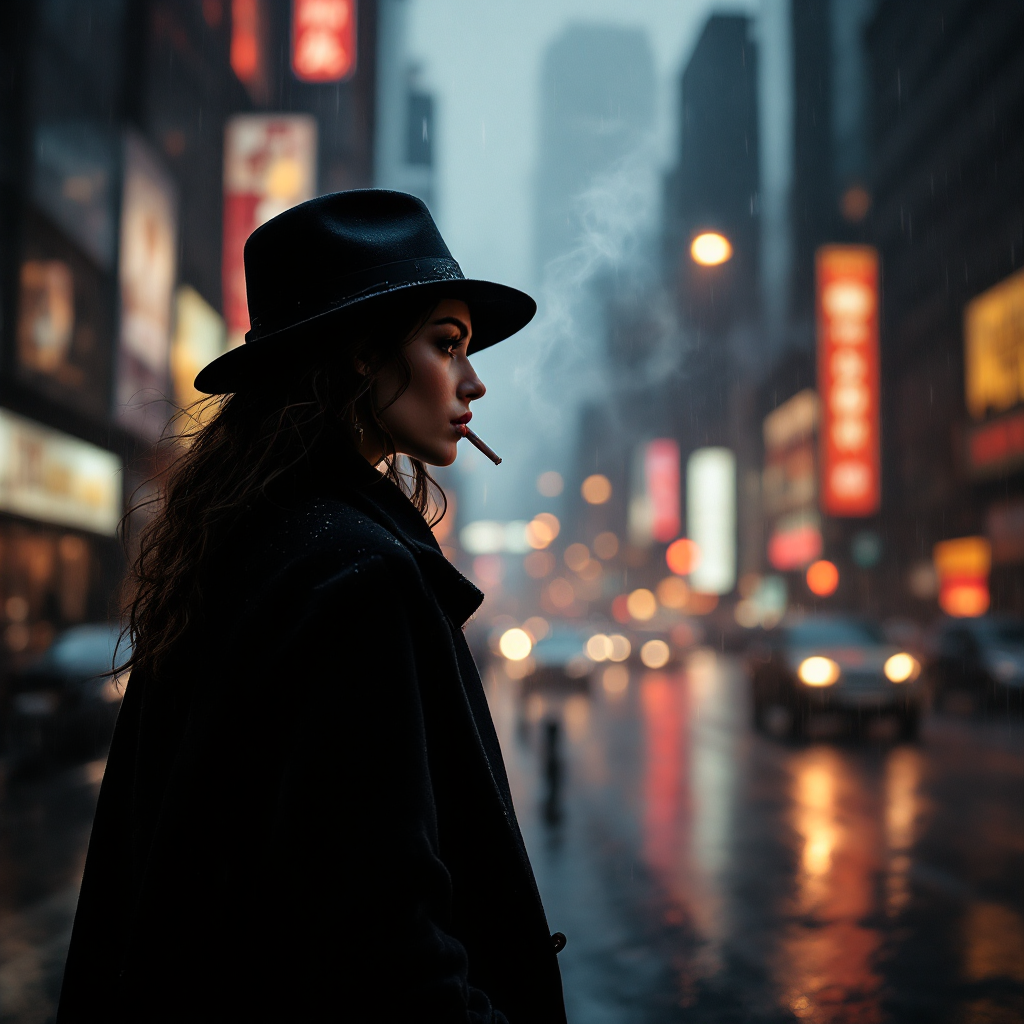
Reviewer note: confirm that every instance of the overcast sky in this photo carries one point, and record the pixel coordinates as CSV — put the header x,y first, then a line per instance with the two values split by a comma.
x,y
482,60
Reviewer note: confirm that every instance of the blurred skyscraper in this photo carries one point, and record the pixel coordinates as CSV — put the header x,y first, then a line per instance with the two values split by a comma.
x,y
405,136
715,184
597,107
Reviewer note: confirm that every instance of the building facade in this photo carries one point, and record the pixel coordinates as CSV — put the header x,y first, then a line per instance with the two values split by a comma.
x,y
113,123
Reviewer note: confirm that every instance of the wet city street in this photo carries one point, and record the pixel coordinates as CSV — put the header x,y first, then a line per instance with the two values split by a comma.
x,y
701,872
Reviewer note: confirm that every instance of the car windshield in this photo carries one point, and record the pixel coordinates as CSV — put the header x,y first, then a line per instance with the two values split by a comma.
x,y
559,648
88,649
834,633
1001,632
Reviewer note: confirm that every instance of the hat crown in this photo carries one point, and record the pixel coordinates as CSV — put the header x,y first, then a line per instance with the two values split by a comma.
x,y
309,256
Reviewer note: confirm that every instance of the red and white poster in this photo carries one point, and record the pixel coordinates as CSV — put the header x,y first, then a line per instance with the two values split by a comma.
x,y
847,300
661,468
323,40
269,166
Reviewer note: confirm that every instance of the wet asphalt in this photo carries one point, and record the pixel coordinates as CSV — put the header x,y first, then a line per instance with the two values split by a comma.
x,y
700,871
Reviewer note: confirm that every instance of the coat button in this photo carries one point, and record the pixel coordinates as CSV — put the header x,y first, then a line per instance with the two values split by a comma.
x,y
558,940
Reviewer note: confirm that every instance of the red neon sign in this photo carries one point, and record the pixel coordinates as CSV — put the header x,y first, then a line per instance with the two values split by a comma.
x,y
661,468
847,280
323,39
245,40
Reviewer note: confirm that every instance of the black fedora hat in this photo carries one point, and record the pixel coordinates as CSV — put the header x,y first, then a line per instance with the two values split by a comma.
x,y
329,260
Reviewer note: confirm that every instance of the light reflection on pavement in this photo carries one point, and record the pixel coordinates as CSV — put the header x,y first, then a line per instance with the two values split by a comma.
x,y
702,872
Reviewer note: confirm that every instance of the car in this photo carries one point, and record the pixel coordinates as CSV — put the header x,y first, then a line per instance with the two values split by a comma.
x,y
64,702
975,664
837,664
559,663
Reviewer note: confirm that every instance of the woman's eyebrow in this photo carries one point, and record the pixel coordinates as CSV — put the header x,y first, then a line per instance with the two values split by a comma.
x,y
455,322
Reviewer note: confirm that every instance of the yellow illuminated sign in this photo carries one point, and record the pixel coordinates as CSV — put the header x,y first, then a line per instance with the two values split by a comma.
x,y
52,477
994,348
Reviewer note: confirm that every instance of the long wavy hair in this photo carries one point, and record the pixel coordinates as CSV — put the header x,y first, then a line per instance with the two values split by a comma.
x,y
243,449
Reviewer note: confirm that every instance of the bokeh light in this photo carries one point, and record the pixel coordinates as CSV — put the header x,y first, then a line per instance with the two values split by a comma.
x,y
901,668
560,593
539,564
599,647
682,556
822,578
673,592
606,545
542,530
576,556
550,484
537,627
642,605
655,654
710,249
620,647
515,644
596,489
818,671
615,680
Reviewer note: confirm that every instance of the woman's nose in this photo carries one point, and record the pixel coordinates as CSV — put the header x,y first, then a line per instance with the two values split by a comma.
x,y
471,387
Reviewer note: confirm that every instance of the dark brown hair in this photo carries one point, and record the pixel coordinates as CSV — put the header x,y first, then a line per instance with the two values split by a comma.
x,y
241,449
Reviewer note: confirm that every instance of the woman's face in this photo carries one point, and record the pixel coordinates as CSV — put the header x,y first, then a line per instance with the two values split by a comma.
x,y
425,419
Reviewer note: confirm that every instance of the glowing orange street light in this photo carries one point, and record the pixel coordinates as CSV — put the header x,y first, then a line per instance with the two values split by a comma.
x,y
711,249
822,578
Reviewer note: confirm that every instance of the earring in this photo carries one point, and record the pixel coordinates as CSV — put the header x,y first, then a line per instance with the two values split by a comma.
x,y
358,429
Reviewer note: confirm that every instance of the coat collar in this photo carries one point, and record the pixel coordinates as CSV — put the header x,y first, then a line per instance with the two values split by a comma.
x,y
389,507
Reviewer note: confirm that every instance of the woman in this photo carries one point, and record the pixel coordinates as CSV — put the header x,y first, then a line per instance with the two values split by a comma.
x,y
305,814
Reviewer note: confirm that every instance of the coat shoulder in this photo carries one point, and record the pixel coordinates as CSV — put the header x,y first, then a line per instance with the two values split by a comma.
x,y
323,544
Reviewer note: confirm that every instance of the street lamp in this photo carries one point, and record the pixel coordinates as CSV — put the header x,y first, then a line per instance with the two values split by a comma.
x,y
710,249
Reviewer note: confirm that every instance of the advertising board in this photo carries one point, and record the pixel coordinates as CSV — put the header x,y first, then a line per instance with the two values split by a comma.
x,y
269,166
847,307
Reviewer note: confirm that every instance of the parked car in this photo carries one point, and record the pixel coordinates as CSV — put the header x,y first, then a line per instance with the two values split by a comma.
x,y
65,701
832,664
975,664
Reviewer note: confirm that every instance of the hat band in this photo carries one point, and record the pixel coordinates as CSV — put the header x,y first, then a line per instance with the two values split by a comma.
x,y
363,284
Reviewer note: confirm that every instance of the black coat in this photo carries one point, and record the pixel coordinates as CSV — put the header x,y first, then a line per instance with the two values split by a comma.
x,y
314,822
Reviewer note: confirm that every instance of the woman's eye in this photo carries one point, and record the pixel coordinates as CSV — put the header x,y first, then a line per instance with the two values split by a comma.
x,y
449,345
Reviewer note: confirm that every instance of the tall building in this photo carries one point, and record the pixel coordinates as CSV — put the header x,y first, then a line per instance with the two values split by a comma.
x,y
947,109
828,196
405,134
597,108
714,186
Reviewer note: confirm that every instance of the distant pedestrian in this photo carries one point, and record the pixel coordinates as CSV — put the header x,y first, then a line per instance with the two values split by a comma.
x,y
305,814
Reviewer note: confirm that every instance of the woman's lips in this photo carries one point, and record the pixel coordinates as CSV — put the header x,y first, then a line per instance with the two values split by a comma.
x,y
463,419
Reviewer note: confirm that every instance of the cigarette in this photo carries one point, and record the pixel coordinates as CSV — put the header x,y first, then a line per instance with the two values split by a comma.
x,y
477,443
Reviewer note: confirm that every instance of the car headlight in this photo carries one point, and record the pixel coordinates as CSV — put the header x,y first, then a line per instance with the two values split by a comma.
x,y
818,671
901,668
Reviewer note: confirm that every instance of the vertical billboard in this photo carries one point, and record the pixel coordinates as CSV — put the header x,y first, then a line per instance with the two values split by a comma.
x,y
323,40
994,349
269,166
661,469
789,484
654,512
711,518
199,338
146,270
847,305
962,566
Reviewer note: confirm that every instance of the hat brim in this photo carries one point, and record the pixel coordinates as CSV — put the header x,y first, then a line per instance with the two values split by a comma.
x,y
498,312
